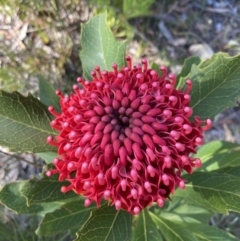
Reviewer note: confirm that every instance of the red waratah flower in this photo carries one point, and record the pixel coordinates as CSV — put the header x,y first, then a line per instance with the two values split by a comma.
x,y
126,137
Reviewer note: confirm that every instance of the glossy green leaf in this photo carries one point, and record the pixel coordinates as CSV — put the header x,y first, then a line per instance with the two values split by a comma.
x,y
99,47
46,189
47,156
171,230
222,160
71,216
47,93
24,123
187,65
212,148
176,224
136,8
218,154
146,229
12,198
106,224
234,171
179,210
205,232
218,192
216,85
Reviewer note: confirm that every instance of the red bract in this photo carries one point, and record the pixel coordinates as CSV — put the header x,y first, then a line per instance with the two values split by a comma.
x,y
126,137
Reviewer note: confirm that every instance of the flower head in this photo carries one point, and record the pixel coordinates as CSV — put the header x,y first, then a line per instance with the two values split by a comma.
x,y
126,137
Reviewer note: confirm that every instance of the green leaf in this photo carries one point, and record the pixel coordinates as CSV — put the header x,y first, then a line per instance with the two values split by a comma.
x,y
173,231
218,192
47,156
234,171
216,85
146,229
212,148
186,220
106,224
156,68
47,93
222,160
99,47
179,210
136,8
187,65
46,189
12,198
205,232
218,154
24,123
71,216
